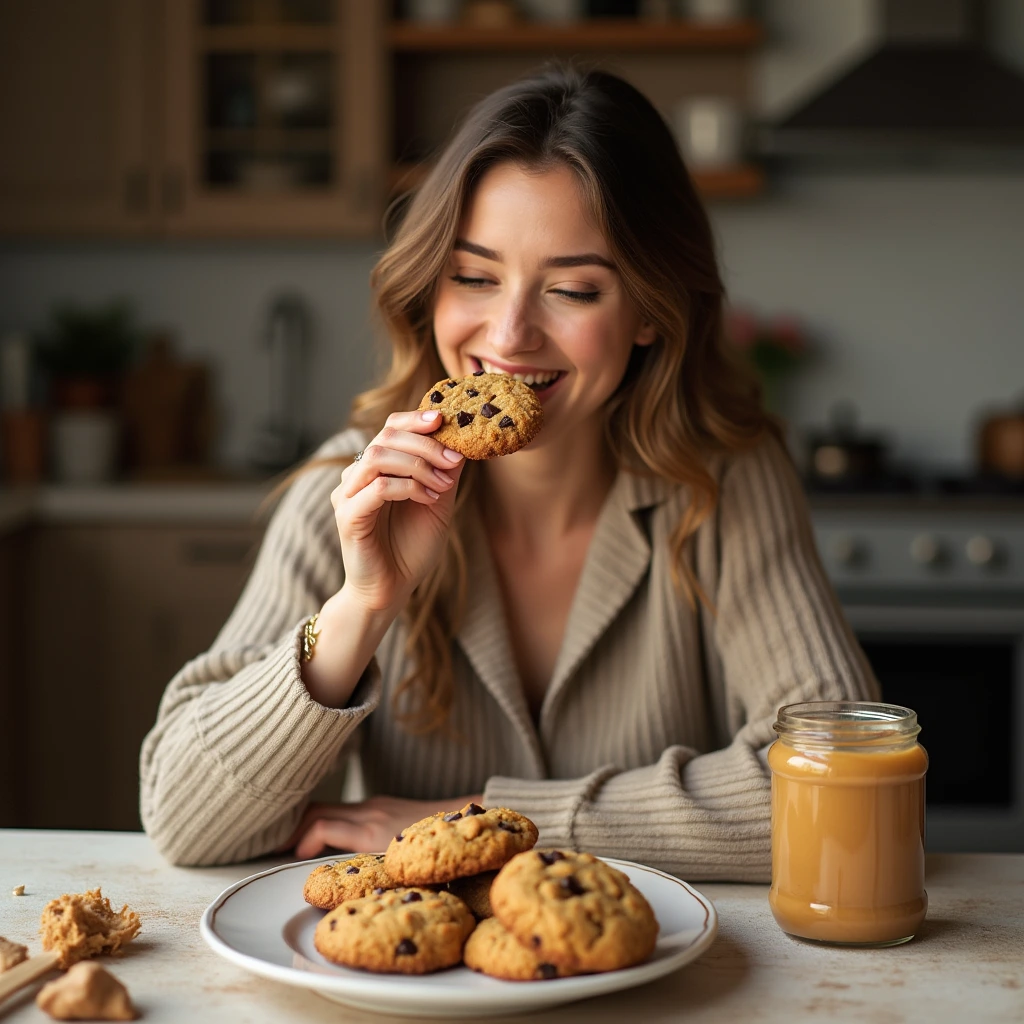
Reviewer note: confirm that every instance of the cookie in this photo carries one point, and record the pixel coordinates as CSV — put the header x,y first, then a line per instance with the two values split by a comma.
x,y
485,415
492,950
329,885
475,892
574,911
403,931
454,844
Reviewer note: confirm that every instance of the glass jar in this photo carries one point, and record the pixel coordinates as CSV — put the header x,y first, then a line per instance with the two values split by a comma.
x,y
848,823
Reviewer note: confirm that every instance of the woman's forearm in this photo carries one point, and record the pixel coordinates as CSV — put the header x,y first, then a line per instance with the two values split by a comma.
x,y
349,635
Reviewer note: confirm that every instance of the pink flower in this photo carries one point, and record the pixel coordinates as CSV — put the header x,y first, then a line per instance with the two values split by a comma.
x,y
742,328
786,332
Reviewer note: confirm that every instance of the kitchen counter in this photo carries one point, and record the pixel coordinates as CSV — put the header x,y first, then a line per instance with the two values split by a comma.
x,y
207,504
967,963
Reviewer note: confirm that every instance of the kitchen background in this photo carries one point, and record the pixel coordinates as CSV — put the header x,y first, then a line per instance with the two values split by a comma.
x,y
886,277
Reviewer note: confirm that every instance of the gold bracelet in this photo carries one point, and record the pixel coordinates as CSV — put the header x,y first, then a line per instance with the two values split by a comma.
x,y
309,637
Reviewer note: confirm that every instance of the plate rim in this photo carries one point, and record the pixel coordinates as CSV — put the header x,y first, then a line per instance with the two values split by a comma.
x,y
338,986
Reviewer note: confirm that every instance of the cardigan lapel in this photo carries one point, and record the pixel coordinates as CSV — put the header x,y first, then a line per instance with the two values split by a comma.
x,y
616,562
484,638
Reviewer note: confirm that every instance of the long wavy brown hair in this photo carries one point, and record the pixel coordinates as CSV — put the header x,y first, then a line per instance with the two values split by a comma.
x,y
681,400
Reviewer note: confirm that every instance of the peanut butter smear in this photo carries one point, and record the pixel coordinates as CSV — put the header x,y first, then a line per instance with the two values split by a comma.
x,y
81,925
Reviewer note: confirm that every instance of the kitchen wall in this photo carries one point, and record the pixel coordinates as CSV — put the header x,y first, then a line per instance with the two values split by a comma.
x,y
909,282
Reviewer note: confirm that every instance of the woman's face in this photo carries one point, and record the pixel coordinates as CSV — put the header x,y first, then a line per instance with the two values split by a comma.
x,y
530,289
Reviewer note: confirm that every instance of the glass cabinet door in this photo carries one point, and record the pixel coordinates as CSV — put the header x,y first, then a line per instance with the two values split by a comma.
x,y
273,112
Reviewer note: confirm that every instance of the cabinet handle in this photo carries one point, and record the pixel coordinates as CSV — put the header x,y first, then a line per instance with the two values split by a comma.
x,y
136,190
217,552
172,189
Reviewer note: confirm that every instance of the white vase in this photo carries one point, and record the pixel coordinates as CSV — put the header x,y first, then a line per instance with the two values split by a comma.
x,y
432,12
552,11
84,446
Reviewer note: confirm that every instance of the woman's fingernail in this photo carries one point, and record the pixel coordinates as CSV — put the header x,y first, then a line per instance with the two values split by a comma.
x,y
452,456
433,494
443,477
428,416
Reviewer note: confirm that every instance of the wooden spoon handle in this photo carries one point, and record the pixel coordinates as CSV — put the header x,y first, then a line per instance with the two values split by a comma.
x,y
25,973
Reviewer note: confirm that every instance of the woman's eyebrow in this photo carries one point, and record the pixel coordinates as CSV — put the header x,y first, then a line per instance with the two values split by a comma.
x,y
585,259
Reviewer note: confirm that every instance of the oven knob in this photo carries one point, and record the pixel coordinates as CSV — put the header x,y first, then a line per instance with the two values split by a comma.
x,y
981,551
846,550
926,549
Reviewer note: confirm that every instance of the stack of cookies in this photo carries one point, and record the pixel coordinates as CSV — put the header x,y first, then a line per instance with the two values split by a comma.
x,y
542,914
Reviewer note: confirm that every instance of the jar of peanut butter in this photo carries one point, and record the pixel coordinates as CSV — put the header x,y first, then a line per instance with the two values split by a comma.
x,y
848,823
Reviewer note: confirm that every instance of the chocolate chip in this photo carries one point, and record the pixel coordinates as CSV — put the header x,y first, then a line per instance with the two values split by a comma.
x,y
464,419
506,421
478,373
536,941
399,837
334,923
351,910
453,816
489,410
472,393
411,897
436,396
378,890
507,826
571,885
351,871
406,948
550,856
547,971
474,809
449,383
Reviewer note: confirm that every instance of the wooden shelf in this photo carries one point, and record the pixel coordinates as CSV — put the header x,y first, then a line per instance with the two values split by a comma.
x,y
741,182
301,140
268,38
617,34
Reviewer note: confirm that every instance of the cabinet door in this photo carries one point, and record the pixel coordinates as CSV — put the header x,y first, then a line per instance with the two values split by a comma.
x,y
114,613
77,83
273,117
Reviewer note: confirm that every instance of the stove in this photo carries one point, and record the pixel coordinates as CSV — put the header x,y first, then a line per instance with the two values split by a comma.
x,y
931,577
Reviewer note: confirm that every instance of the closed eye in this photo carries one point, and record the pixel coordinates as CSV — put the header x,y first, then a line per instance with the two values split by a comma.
x,y
470,282
577,296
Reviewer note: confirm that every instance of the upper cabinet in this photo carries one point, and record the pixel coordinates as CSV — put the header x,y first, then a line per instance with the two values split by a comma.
x,y
272,117
77,116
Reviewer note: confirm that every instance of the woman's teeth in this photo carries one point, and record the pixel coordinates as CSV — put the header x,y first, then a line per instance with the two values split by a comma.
x,y
537,381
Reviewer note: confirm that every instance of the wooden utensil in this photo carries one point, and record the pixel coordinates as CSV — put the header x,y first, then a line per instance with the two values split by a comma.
x,y
26,972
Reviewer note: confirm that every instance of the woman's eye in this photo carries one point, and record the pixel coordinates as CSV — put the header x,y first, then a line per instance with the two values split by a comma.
x,y
577,296
469,282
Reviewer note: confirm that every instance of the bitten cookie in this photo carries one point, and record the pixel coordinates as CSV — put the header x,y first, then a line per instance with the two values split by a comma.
x,y
404,931
454,844
573,910
492,950
329,885
475,892
485,415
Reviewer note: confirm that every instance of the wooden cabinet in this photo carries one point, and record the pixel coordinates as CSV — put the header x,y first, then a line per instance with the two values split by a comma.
x,y
77,116
112,613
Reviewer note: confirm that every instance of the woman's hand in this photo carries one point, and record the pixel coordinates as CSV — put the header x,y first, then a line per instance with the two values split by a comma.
x,y
393,508
365,827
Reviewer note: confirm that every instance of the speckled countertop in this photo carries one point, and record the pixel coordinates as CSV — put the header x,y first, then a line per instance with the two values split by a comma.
x,y
966,965
223,503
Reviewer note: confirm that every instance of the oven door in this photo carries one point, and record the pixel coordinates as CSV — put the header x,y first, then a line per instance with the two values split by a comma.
x,y
962,670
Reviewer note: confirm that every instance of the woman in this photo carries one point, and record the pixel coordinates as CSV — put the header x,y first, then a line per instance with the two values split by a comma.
x,y
597,630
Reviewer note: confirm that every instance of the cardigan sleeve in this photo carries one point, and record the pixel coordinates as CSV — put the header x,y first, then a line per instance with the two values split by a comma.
x,y
777,636
239,744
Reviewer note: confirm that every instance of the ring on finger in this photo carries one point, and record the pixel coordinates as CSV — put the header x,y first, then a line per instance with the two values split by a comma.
x,y
358,455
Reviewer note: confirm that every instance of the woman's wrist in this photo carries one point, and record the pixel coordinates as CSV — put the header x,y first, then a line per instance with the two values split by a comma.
x,y
348,634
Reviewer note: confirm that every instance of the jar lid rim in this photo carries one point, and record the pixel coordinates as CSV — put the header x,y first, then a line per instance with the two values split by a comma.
x,y
862,717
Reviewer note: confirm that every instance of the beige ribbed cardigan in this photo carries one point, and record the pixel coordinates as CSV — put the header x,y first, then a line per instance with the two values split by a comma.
x,y
651,738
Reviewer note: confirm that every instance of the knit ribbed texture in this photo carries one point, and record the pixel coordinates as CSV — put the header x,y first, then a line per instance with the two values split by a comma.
x,y
651,738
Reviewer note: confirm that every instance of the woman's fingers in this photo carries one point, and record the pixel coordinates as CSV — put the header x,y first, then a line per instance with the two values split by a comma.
x,y
332,833
380,461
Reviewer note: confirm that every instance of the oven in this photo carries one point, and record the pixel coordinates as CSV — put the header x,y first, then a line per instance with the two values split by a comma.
x,y
935,594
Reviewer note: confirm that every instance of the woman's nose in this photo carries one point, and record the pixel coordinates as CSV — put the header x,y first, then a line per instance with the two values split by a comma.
x,y
513,329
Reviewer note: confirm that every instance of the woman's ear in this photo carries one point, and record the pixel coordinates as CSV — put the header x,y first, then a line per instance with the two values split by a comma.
x,y
647,335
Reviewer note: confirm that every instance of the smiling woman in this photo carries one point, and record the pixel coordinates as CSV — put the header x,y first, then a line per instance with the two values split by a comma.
x,y
596,630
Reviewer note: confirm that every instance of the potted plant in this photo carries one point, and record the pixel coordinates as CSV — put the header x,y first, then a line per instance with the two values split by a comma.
x,y
774,347
84,353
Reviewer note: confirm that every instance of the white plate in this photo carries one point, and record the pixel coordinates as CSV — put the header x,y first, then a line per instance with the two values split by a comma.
x,y
262,923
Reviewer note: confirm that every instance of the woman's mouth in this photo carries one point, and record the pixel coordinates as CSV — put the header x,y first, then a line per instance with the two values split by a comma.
x,y
539,380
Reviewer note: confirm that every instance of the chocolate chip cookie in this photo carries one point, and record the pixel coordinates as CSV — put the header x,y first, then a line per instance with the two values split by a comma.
x,y
573,910
492,950
329,885
485,415
475,892
402,931
453,844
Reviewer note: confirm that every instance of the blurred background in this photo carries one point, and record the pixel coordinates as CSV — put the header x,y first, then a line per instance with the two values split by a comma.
x,y
191,194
